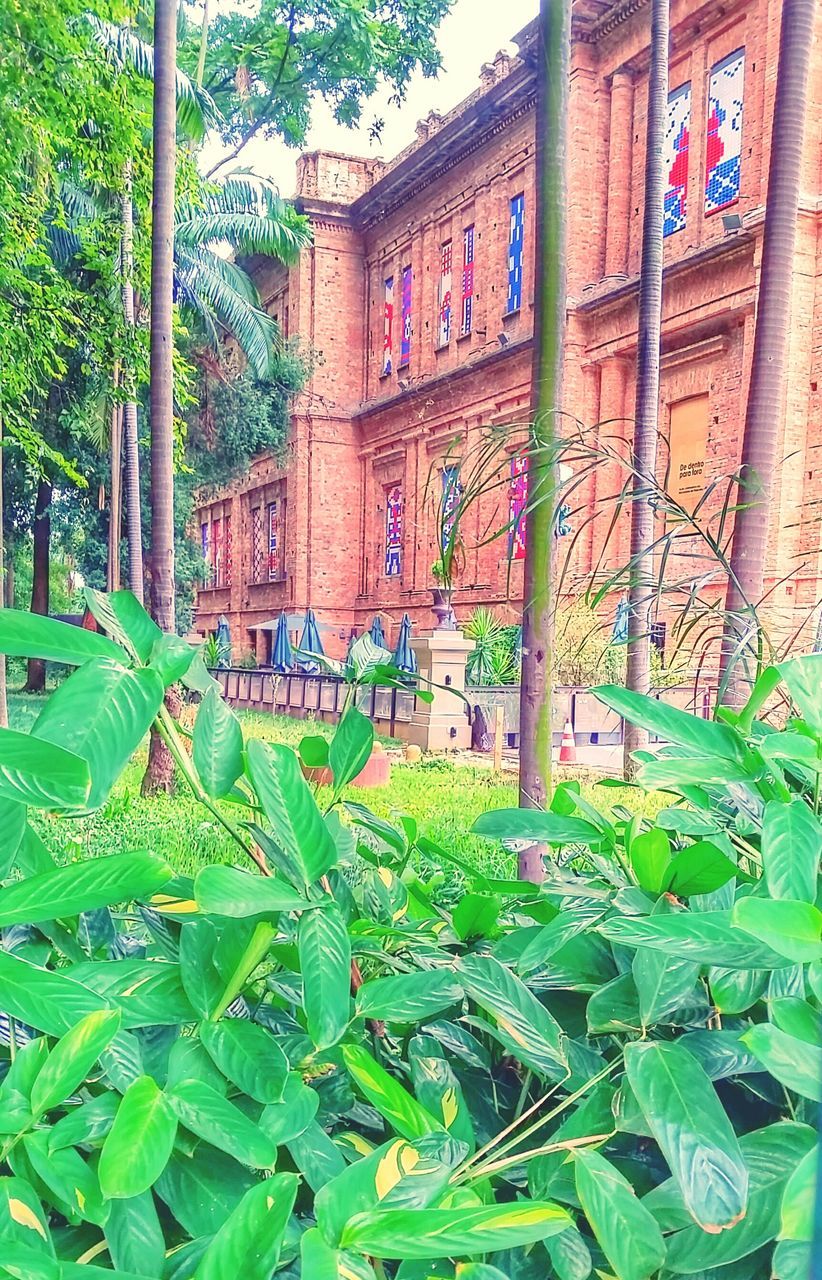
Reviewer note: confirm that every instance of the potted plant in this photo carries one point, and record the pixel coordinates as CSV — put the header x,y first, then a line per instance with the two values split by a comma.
x,y
445,571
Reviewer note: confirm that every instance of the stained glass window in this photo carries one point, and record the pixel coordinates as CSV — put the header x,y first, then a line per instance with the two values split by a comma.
x,y
446,269
257,553
217,548
517,504
405,336
451,494
467,312
515,240
273,541
388,327
205,535
677,141
393,531
228,553
724,142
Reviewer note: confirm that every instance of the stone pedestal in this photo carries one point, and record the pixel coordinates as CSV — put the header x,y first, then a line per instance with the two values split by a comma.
x,y
441,725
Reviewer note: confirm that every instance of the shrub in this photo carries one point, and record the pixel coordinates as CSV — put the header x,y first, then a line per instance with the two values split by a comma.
x,y
307,1065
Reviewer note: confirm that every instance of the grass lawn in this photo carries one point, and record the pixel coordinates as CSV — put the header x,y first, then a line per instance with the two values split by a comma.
x,y
443,797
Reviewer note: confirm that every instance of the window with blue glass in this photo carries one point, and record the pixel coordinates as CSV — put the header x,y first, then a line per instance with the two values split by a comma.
x,y
516,234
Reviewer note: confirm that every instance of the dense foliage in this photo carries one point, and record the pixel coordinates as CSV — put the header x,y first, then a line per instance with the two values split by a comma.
x,y
306,1064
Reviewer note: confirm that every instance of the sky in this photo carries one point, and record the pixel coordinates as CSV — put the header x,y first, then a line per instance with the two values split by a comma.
x,y
472,34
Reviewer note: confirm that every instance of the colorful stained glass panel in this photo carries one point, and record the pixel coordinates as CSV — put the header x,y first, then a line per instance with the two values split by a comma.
x,y
466,319
517,505
388,327
217,545
205,536
451,494
724,142
273,541
257,554
516,236
446,270
405,336
227,570
393,531
677,141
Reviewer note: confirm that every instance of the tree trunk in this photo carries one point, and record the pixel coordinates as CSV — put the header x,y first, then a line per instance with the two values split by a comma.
x,y
160,772
201,58
549,330
765,410
115,493
641,582
36,681
134,529
4,705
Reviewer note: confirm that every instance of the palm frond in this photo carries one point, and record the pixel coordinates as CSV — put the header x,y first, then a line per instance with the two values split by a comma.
x,y
251,217
211,284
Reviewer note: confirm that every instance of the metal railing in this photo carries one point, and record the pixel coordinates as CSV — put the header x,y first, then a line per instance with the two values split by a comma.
x,y
319,696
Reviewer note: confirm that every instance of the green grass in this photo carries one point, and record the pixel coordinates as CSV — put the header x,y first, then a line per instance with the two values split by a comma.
x,y
445,798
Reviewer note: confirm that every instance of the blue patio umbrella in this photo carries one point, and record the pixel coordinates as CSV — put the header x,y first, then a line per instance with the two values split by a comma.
x,y
404,657
310,642
282,658
620,633
223,638
377,634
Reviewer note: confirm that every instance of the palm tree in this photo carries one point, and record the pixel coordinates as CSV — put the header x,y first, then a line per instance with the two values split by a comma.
x,y
640,589
765,409
553,77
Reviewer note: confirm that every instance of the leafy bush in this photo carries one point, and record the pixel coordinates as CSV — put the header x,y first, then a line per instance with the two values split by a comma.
x,y
497,653
308,1066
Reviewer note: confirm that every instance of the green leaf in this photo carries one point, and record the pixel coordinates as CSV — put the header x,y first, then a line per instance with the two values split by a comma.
x,y
121,615
248,1244
570,1256
797,1017
201,1189
534,824
226,891
208,1114
793,1062
350,748
704,737
791,844
316,1155
171,658
48,1001
445,1233
101,713
662,984
22,1220
625,1230
150,993
325,964
650,854
734,991
803,676
296,822
676,773
71,1059
408,997
140,1143
475,915
285,1120
614,1007
69,1177
13,827
313,751
792,1260
218,745
699,868
201,981
799,1198
721,1053
31,635
39,774
244,965
697,936
693,1131
134,1236
82,886
400,1109
554,935
524,1025
248,1056
319,1260
793,929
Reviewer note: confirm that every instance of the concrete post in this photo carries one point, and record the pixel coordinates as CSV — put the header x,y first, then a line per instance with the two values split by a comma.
x,y
441,725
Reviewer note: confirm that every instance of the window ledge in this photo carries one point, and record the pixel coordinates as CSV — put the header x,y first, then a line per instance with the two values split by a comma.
x,y
461,337
512,314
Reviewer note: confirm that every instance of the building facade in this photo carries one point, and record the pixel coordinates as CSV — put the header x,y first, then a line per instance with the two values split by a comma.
x,y
415,306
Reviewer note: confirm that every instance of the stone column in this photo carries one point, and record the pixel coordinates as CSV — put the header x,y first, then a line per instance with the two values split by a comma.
x,y
441,725
619,174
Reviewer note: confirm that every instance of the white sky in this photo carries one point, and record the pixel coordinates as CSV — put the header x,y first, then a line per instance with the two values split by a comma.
x,y
471,35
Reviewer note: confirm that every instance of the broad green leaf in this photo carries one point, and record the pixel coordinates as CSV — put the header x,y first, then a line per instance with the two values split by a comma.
x,y
134,1235
693,1131
317,1157
650,854
721,1053
243,964
218,745
704,737
797,1017
625,1230
248,1056
699,868
792,929
248,1243
792,1260
82,886
803,676
140,1143
313,751
21,1262
171,658
321,1262
71,1059
735,990
554,935
31,635
791,845
438,1088
570,1256
101,713
523,1023
124,619
699,936
296,822
39,774
199,975
69,1177
799,1198
552,1175
208,1114
201,1189
88,1123
793,1062
285,1120
662,983
325,964
48,1001
534,824
22,1220
13,827
400,1109
226,891
475,915
445,1233
408,997
149,993
350,747
677,773
614,1007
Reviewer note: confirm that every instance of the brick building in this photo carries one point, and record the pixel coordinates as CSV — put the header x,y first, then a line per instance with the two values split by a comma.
x,y
416,304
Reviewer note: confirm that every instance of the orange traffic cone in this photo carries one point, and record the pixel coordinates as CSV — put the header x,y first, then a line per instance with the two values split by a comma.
x,y
568,748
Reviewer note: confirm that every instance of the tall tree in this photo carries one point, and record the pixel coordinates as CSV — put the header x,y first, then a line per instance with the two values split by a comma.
x,y
765,410
553,77
134,529
646,425
4,706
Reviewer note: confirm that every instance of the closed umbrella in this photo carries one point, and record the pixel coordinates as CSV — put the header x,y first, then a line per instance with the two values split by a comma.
x,y
310,643
223,638
282,658
620,633
404,657
377,634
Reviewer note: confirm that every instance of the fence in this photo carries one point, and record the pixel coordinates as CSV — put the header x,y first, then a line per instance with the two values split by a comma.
x,y
320,697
